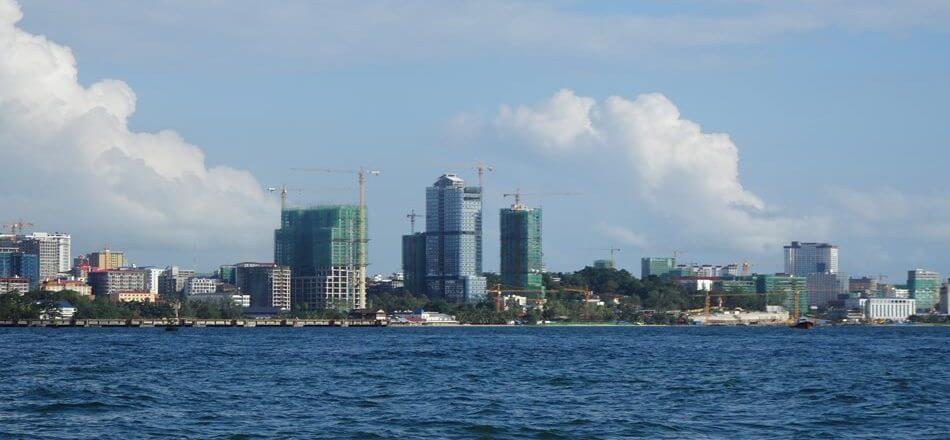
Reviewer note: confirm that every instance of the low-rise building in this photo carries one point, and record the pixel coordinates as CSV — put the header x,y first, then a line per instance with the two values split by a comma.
x,y
140,296
14,284
888,309
59,310
60,285
423,317
220,297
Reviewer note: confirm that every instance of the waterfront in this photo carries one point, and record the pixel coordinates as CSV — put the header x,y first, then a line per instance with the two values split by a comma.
x,y
591,382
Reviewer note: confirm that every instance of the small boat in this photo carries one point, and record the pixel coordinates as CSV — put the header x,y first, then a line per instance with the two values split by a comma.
x,y
171,328
803,324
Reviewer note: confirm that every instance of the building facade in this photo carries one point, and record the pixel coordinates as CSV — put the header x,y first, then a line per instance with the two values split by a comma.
x,y
107,259
827,288
888,309
171,283
53,250
414,263
14,284
17,264
454,240
72,285
924,287
521,265
323,248
945,299
200,286
802,259
656,266
267,284
106,282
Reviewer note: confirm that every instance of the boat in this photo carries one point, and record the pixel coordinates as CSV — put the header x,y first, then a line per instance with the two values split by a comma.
x,y
803,324
171,328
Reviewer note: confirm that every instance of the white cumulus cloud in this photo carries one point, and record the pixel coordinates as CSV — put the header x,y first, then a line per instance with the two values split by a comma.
x,y
71,163
678,171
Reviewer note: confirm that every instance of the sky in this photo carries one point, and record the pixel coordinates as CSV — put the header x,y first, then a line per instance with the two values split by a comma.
x,y
718,129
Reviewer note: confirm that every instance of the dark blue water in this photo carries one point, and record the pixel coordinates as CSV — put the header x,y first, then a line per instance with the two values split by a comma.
x,y
861,382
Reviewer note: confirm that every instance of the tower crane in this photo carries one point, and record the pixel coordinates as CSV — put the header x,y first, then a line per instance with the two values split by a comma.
x,y
480,167
361,174
412,220
283,190
17,226
518,194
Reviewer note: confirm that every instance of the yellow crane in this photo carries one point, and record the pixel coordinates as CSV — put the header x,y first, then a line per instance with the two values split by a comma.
x,y
361,175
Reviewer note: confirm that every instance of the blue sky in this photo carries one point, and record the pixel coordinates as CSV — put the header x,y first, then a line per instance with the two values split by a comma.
x,y
836,110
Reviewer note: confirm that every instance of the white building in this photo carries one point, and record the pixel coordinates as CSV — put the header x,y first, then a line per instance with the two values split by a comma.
x,y
802,259
152,275
883,309
200,286
236,298
53,250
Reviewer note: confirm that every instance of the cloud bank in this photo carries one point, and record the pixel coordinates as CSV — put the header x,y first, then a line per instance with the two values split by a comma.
x,y
677,171
71,163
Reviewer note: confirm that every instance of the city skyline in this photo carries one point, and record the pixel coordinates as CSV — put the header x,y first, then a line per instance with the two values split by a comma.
x,y
561,130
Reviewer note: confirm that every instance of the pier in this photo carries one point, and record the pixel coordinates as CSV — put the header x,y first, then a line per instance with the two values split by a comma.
x,y
148,323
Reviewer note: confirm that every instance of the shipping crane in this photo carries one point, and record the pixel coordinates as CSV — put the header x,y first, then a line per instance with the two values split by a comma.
x,y
361,175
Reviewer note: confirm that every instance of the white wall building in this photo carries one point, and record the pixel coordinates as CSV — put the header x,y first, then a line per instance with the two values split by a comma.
x,y
152,275
236,298
893,309
53,250
200,286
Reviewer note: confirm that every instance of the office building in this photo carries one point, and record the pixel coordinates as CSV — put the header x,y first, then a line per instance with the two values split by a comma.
x,y
53,250
106,282
785,288
17,264
267,284
323,248
133,296
924,287
107,259
414,263
521,266
226,273
864,286
454,240
802,259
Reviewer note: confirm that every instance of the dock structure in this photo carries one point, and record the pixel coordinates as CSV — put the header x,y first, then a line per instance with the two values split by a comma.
x,y
148,323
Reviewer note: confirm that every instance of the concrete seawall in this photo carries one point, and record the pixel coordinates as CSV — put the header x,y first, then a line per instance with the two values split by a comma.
x,y
245,323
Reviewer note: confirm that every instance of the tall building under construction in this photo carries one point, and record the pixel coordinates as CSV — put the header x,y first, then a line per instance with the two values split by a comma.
x,y
323,247
521,265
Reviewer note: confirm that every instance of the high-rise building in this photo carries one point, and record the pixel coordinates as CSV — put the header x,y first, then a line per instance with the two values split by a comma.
x,y
945,299
53,250
784,286
152,279
454,240
924,286
171,283
825,288
322,247
802,259
16,264
106,282
226,273
414,263
656,266
267,284
107,259
521,266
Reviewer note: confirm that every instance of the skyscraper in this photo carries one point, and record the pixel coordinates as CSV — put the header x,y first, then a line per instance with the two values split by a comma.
x,y
322,247
521,266
454,240
802,259
818,263
414,262
14,263
924,286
